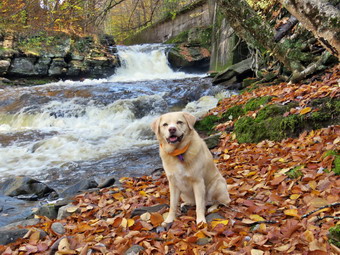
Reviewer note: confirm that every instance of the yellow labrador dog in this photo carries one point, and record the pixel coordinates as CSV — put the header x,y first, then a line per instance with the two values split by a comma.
x,y
188,165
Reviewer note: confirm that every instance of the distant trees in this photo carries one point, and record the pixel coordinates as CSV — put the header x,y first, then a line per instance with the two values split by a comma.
x,y
122,17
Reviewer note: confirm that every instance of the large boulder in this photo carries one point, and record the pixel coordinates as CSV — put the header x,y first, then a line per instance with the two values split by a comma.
x,y
23,66
25,187
234,74
189,58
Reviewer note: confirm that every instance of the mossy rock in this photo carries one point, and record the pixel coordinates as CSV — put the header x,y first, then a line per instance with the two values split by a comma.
x,y
233,113
334,235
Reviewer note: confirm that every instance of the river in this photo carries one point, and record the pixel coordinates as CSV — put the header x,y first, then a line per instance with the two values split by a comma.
x,y
61,132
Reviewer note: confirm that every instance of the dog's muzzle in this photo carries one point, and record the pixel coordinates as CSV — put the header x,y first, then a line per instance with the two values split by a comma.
x,y
174,139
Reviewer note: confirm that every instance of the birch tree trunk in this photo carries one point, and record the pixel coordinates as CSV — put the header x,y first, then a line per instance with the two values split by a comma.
x,y
321,18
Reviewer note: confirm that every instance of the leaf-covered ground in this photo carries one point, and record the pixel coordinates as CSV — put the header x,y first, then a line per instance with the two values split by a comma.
x,y
275,188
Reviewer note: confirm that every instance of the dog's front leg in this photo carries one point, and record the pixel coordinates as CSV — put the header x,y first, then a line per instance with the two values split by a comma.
x,y
199,191
174,199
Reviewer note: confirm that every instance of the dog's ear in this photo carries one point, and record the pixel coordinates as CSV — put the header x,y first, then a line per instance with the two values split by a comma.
x,y
191,119
155,126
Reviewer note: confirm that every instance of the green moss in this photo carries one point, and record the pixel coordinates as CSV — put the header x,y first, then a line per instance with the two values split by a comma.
x,y
233,113
334,235
206,124
269,111
255,103
336,162
295,173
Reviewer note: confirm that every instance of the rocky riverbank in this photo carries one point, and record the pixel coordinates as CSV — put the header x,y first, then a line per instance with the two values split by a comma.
x,y
56,55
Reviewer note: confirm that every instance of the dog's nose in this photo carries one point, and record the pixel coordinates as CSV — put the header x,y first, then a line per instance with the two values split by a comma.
x,y
172,130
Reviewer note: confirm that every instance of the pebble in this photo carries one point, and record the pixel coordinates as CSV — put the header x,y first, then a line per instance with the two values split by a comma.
x,y
58,228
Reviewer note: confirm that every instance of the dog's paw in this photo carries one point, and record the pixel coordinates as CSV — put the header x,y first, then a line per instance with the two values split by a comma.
x,y
167,225
201,220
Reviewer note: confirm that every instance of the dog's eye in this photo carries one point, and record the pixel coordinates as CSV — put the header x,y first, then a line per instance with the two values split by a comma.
x,y
165,124
179,122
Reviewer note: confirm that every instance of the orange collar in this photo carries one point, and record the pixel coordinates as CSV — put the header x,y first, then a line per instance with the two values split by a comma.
x,y
178,152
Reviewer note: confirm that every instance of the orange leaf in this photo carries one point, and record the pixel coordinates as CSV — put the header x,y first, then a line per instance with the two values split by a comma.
x,y
156,219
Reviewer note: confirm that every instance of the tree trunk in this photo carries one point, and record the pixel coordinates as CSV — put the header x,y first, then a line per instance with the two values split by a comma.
x,y
257,32
321,18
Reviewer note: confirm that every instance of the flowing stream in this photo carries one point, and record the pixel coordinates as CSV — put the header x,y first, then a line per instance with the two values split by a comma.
x,y
61,132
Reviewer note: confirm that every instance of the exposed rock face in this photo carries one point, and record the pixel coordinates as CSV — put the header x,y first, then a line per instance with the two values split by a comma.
x,y
189,58
58,56
24,187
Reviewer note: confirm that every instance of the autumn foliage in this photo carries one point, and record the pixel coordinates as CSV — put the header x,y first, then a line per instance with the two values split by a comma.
x,y
276,190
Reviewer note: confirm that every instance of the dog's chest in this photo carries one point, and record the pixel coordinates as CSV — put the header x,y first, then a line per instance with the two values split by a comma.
x,y
182,176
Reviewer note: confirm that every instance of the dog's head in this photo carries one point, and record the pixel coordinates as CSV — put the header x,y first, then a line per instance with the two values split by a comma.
x,y
173,127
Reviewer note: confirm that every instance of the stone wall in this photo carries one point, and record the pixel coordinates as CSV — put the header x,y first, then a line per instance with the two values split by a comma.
x,y
57,55
197,15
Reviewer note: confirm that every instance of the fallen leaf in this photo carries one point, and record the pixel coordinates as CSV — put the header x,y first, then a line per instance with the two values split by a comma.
x,y
292,212
305,110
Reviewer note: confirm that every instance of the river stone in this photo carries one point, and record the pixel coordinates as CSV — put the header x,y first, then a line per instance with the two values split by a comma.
x,y
212,141
48,210
134,250
4,65
213,216
58,67
79,186
22,66
150,209
21,224
26,186
58,228
9,236
63,212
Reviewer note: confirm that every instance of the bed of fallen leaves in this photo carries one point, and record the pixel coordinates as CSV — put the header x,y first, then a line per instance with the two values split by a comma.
x,y
270,212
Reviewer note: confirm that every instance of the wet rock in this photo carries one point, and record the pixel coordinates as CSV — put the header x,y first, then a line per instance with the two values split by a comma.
x,y
134,250
75,68
21,224
12,210
107,183
24,186
150,209
79,186
233,74
58,228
